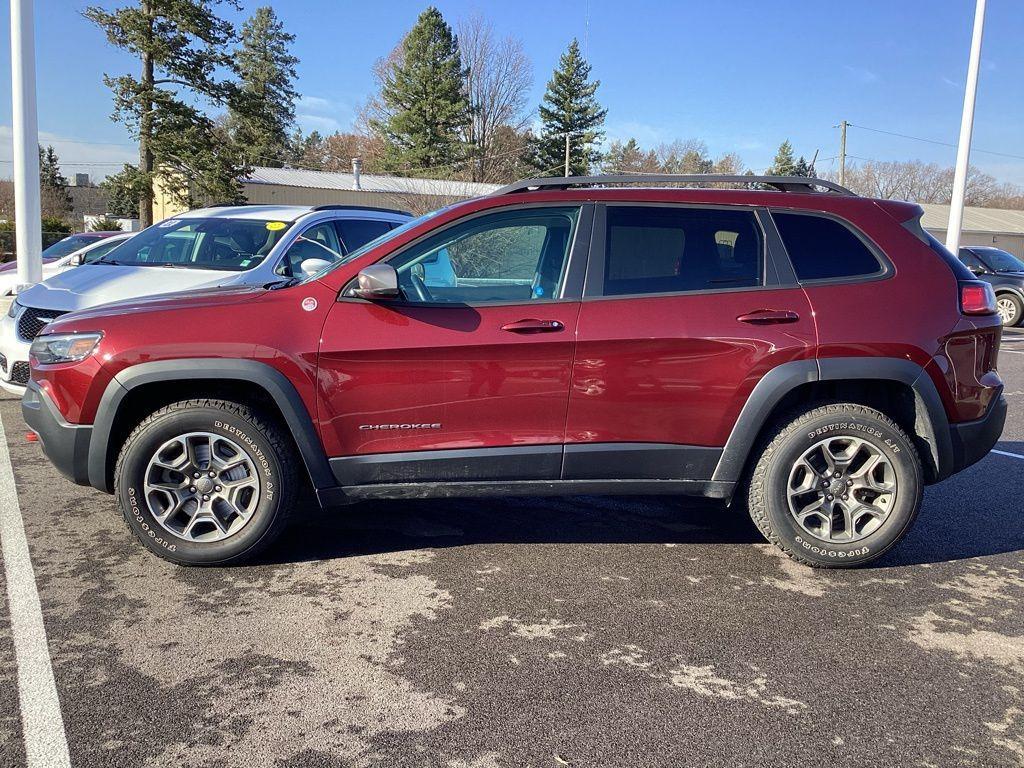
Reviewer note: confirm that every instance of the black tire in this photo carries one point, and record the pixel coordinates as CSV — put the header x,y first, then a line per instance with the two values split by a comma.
x,y
261,439
767,498
1017,305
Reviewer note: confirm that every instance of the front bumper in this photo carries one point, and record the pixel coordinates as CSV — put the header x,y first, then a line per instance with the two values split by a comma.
x,y
972,440
65,445
14,376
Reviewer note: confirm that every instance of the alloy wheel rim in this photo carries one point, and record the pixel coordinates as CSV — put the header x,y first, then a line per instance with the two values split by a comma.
x,y
1007,311
201,487
841,490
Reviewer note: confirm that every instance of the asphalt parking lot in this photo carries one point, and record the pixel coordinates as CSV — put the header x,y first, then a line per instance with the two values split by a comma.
x,y
528,632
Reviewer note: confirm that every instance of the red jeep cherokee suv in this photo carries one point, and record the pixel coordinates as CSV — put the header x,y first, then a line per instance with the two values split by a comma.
x,y
812,355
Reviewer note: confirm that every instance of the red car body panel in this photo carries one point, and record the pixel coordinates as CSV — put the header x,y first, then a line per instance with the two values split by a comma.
x,y
659,369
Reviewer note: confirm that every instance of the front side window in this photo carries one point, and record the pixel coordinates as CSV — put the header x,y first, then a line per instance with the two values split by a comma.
x,y
232,245
509,256
319,241
822,248
100,250
653,249
971,261
999,260
355,233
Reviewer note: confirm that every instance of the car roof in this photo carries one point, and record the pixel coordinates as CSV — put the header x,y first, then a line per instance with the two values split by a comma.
x,y
283,212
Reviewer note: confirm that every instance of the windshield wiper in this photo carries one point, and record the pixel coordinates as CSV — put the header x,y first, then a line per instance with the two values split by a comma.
x,y
287,282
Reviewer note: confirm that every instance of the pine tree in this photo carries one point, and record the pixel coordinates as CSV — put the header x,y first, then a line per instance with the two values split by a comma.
x,y
181,46
629,158
570,108
55,197
784,163
123,192
803,168
424,102
262,115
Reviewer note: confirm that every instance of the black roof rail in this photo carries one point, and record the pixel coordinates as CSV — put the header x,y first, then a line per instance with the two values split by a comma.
x,y
781,183
342,207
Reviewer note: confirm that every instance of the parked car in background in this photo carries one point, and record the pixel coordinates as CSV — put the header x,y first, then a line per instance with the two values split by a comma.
x,y
1005,273
220,246
63,247
815,356
96,249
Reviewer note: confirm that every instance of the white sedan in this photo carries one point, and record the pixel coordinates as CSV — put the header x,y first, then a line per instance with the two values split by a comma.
x,y
51,267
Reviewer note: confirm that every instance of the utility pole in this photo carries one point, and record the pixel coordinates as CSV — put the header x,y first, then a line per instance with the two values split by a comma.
x,y
28,210
842,152
567,154
963,150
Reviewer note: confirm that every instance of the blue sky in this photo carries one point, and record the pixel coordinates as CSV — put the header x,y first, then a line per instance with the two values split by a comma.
x,y
742,75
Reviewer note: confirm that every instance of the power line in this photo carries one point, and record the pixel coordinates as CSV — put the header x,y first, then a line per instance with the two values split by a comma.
x,y
932,141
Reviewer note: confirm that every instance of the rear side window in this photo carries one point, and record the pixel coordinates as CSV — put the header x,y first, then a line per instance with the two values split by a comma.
x,y
355,233
668,250
821,248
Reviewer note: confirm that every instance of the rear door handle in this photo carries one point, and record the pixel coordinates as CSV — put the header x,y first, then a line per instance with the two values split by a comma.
x,y
533,326
769,316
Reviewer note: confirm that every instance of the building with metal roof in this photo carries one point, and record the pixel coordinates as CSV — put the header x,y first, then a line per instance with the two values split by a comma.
x,y
982,226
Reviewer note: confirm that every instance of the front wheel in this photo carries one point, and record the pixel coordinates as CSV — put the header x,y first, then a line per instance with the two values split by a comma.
x,y
837,486
1010,309
206,482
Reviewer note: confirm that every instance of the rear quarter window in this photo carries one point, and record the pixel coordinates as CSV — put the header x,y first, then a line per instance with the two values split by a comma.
x,y
823,248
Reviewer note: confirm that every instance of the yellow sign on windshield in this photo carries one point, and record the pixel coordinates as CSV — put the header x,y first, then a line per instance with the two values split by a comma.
x,y
274,226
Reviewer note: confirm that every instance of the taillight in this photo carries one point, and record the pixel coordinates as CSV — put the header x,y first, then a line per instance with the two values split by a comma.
x,y
977,298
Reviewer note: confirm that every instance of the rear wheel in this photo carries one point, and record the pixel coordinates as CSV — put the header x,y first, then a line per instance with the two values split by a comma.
x,y
206,482
836,486
1010,309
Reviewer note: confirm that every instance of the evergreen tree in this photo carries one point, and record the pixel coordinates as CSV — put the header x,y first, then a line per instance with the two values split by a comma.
x,y
570,108
263,113
124,189
424,102
55,197
803,168
784,163
181,46
629,158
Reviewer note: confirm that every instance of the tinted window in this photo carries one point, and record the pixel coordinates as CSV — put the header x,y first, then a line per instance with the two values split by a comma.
x,y
999,260
823,249
68,245
319,241
101,250
666,250
509,256
356,233
972,261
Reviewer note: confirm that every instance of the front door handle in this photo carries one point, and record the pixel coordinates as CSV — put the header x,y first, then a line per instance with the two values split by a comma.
x,y
533,326
769,317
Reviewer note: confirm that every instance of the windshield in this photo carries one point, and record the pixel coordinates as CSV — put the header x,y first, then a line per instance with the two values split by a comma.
x,y
379,241
231,245
1000,261
68,245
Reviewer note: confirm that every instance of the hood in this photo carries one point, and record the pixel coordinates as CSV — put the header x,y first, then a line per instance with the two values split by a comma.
x,y
91,285
193,299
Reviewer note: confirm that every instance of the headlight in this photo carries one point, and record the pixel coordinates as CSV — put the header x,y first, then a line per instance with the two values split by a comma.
x,y
14,309
64,347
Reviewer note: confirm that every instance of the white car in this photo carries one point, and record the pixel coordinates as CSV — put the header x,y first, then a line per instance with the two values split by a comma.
x,y
207,248
51,267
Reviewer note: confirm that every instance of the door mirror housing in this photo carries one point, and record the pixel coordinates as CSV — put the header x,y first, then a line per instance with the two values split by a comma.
x,y
377,281
310,267
75,260
978,270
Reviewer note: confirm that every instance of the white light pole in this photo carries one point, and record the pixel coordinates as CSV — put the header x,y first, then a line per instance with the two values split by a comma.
x,y
963,150
28,212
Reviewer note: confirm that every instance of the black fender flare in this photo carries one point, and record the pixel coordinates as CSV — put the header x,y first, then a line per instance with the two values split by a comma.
x,y
272,381
932,424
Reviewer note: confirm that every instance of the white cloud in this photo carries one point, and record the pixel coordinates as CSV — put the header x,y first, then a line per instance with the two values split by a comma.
x,y
318,123
860,74
98,159
319,113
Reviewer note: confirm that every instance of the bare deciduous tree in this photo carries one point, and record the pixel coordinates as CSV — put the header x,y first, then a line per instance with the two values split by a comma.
x,y
921,182
498,80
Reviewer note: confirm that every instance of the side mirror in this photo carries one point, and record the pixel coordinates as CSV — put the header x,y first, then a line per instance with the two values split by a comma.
x,y
312,266
75,261
377,281
978,270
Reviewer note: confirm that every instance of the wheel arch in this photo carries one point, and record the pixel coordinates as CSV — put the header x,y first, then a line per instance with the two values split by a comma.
x,y
900,388
141,389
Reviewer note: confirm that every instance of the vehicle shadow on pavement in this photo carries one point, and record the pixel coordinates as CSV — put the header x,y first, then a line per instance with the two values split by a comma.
x,y
974,514
374,527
